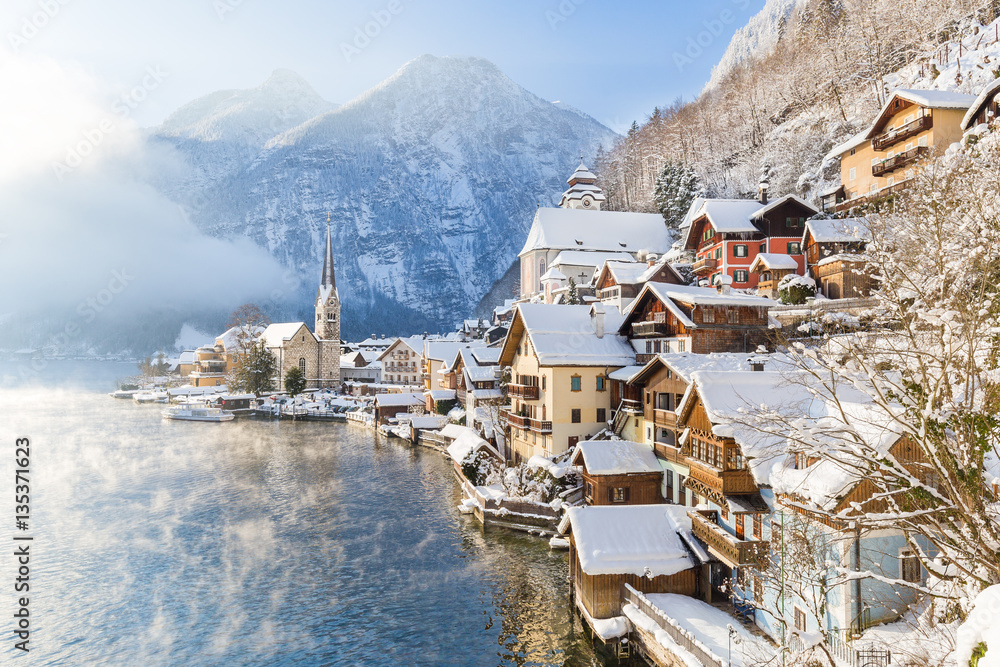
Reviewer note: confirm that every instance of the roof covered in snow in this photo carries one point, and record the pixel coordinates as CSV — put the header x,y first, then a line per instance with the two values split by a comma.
x,y
553,274
610,231
486,355
781,201
774,261
989,92
399,400
594,259
855,141
929,99
731,215
631,539
277,334
616,457
845,230
563,335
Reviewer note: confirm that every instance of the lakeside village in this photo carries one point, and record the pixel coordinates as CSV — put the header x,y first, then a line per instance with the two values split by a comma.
x,y
663,406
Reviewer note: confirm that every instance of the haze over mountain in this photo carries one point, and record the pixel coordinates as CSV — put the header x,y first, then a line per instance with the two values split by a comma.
x,y
430,180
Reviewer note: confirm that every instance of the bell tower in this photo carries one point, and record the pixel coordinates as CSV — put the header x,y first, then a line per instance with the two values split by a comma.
x,y
328,318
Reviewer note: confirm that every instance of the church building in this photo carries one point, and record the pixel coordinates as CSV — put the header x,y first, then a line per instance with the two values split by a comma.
x,y
316,353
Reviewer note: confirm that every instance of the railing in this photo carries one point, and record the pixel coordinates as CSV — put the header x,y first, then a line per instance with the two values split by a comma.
x,y
664,417
899,161
523,391
681,637
737,552
644,358
886,139
725,482
855,657
874,196
650,329
527,422
707,264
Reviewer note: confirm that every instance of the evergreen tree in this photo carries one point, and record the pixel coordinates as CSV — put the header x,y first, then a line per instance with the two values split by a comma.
x,y
572,297
295,382
677,186
254,372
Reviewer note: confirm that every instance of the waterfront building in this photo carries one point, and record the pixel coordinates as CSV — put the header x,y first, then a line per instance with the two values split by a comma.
x,y
618,472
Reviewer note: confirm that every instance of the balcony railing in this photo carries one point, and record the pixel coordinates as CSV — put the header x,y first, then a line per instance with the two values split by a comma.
x,y
731,549
517,421
650,329
874,196
886,139
899,161
725,482
524,391
705,265
664,417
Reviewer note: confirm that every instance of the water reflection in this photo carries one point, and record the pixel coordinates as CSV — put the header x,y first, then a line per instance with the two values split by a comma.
x,y
265,543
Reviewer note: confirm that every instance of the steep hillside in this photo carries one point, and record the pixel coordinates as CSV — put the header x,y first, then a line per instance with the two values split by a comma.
x,y
430,180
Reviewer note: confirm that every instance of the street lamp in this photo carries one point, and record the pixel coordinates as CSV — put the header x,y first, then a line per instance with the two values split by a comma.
x,y
734,636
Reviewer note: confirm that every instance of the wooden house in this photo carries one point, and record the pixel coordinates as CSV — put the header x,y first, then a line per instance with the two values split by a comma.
x,y
726,235
678,318
639,545
618,283
619,472
834,253
387,406
770,268
985,109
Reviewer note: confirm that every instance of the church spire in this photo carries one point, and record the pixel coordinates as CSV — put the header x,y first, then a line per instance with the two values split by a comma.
x,y
328,279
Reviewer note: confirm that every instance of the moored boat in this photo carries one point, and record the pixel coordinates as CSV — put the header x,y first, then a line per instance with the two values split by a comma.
x,y
197,414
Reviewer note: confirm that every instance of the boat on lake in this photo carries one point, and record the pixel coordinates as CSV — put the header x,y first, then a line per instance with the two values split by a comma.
x,y
197,414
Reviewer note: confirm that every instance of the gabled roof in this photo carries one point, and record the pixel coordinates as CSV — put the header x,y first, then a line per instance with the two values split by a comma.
x,y
929,99
732,216
636,273
837,230
486,355
616,457
774,261
989,92
415,343
670,295
562,335
277,334
609,231
780,201
855,141
553,274
399,400
584,258
631,539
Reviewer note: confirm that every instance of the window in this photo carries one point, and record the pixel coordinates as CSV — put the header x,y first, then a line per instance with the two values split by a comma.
x,y
618,494
708,314
741,276
740,250
891,180
543,383
909,566
800,620
718,253
602,415
740,526
708,233
575,412
724,512
853,151
590,491
794,248
757,527
908,146
733,315
575,383
922,141
668,476
852,174
302,366
763,247
794,222
876,160
600,386
680,346
873,187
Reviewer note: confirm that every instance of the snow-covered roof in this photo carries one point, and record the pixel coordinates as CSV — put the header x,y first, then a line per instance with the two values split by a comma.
x,y
989,92
846,230
481,373
731,215
641,540
466,441
581,174
594,259
855,141
631,272
692,212
553,274
774,261
563,335
770,206
486,355
446,351
610,231
399,400
441,394
428,421
624,374
616,457
706,296
276,334
929,99
186,357
842,257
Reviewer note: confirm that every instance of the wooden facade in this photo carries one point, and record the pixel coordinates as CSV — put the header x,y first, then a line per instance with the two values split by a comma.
x,y
601,595
843,278
629,489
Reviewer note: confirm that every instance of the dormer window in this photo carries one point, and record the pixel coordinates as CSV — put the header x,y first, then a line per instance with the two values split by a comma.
x,y
578,241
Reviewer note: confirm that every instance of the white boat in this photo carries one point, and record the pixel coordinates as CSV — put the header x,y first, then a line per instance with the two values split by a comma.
x,y
150,397
124,393
197,414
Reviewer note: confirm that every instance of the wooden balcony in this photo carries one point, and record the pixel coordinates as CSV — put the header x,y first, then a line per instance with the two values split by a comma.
x,y
879,195
648,329
899,161
726,546
892,137
669,452
525,391
526,423
666,418
706,265
726,482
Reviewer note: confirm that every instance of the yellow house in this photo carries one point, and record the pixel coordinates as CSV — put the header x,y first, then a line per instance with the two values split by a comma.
x,y
877,162
560,357
210,366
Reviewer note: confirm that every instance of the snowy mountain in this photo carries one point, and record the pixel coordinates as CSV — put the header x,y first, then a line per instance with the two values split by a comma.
x,y
759,35
430,179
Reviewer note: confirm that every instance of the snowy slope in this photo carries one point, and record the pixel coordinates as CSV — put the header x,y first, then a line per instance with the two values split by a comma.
x,y
759,35
431,179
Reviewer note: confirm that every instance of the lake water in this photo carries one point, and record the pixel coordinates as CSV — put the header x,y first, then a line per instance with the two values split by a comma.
x,y
160,542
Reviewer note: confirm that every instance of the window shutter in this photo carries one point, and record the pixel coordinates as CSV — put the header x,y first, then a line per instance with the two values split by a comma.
x,y
627,489
611,494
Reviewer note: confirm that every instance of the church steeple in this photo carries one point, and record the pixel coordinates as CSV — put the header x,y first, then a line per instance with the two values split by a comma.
x,y
329,278
583,190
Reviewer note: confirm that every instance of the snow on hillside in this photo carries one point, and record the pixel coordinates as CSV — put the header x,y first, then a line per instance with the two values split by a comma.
x,y
431,179
759,35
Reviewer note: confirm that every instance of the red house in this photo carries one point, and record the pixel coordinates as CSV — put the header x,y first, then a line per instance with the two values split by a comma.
x,y
727,234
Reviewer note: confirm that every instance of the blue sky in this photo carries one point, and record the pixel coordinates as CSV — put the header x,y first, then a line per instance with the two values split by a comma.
x,y
615,61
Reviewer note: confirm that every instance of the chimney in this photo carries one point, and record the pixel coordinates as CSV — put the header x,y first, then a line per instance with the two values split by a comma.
x,y
651,259
597,315
756,364
723,284
762,190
